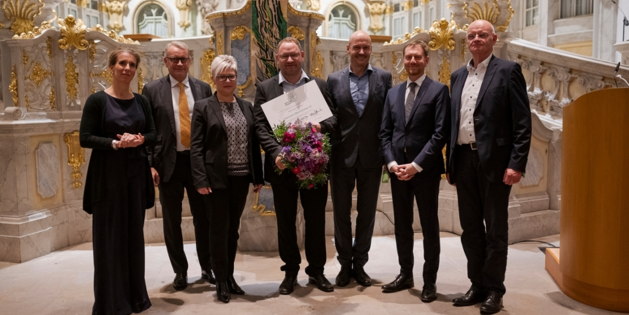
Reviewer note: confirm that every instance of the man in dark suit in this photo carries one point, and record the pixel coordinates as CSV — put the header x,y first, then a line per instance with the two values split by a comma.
x,y
172,100
415,127
284,185
487,153
357,94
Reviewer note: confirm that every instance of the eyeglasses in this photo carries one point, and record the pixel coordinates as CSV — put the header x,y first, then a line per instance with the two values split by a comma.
x,y
224,78
177,60
480,35
292,56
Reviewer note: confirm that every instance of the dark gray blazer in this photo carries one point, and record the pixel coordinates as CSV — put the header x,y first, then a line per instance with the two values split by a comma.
x,y
266,91
208,144
422,139
163,156
358,134
502,119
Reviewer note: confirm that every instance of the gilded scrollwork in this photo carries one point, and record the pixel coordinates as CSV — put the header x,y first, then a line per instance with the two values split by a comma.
x,y
91,52
241,88
76,157
24,57
36,31
296,33
52,99
407,5
442,35
463,47
39,73
490,11
220,48
81,3
445,72
316,59
72,78
105,75
13,86
49,48
114,36
140,80
72,33
239,32
206,67
22,14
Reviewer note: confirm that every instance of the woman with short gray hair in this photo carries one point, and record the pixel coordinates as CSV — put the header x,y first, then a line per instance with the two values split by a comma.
x,y
225,157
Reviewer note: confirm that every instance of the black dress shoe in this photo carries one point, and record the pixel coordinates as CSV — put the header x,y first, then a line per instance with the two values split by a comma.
x,y
401,282
429,293
222,292
233,286
322,283
492,304
473,296
207,276
344,275
361,276
288,285
181,281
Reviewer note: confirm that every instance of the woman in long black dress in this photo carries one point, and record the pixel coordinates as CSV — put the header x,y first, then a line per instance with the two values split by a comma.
x,y
117,125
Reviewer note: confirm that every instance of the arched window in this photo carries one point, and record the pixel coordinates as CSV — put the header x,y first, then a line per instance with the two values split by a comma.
x,y
152,19
342,22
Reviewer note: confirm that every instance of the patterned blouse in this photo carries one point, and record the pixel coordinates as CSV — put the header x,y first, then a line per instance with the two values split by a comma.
x,y
237,143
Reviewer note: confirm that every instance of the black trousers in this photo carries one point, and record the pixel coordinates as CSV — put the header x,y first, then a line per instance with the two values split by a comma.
x,y
342,183
171,195
425,190
313,201
224,209
485,244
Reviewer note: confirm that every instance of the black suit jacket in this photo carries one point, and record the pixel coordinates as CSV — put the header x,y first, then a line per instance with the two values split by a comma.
x,y
358,135
266,91
422,139
208,144
163,156
502,119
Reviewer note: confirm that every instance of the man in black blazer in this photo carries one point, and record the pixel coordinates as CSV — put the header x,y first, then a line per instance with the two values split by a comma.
x,y
357,94
170,159
415,127
487,153
284,185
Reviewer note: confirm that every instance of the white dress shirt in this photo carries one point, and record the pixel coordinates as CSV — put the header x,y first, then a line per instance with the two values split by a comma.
x,y
419,82
175,96
469,96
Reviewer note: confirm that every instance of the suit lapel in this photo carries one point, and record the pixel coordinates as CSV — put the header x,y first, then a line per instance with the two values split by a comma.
x,y
278,88
422,90
194,89
216,107
372,87
348,96
401,96
457,90
246,112
167,100
489,75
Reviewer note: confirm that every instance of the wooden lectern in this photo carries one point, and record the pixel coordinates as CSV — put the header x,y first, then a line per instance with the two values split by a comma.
x,y
594,264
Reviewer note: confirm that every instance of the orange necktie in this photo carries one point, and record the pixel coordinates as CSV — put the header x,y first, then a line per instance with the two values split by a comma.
x,y
184,116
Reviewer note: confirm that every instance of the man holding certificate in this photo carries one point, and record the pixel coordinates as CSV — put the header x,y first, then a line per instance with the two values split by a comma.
x,y
285,185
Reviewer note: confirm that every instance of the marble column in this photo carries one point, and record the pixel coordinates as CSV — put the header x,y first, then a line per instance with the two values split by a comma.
x,y
605,13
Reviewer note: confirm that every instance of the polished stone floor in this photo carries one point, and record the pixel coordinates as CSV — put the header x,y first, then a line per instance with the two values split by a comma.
x,y
61,283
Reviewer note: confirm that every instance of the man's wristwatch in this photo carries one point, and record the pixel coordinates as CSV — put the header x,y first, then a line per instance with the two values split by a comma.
x,y
114,144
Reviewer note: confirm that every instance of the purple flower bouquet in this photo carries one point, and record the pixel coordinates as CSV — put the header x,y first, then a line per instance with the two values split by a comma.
x,y
305,152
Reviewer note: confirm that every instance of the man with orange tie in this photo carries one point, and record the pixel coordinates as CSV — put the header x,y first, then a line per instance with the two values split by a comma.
x,y
172,100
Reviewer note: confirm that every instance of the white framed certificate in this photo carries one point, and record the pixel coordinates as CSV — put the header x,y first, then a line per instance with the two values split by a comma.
x,y
305,103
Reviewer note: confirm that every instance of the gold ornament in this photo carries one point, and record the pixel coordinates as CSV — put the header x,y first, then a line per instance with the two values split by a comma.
x,y
442,34
52,99
72,33
206,67
488,12
219,43
239,33
76,156
22,13
241,88
140,80
296,33
13,86
72,78
444,73
39,73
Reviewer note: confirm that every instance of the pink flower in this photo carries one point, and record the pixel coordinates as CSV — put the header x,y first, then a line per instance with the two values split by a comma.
x,y
296,170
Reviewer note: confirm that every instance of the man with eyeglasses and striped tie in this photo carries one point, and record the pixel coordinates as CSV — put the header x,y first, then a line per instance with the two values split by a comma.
x,y
172,100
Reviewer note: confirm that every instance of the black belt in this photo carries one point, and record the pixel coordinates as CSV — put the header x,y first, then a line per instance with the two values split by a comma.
x,y
468,146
